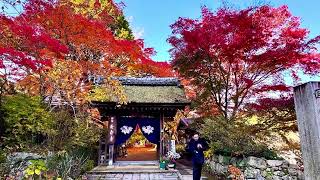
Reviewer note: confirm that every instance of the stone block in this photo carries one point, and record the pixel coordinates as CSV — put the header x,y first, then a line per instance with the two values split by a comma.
x,y
267,174
23,156
243,162
212,165
285,164
279,173
257,162
293,172
300,175
215,158
288,177
276,168
293,166
274,163
276,178
224,159
251,172
221,169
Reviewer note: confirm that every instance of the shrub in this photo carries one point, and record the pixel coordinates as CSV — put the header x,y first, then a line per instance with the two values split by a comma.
x,y
180,148
269,154
4,168
209,153
27,121
72,131
233,138
3,156
72,163
31,127
87,166
36,169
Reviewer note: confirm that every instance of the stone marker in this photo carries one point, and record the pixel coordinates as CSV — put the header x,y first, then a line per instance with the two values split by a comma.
x,y
307,105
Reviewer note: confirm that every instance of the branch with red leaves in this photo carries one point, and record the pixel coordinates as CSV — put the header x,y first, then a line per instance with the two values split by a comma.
x,y
231,56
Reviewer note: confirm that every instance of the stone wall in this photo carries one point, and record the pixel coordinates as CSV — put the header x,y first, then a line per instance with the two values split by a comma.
x,y
255,168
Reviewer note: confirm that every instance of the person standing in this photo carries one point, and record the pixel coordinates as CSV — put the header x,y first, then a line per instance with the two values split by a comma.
x,y
196,147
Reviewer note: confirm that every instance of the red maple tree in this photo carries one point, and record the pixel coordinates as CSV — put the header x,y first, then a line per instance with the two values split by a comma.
x,y
54,34
24,50
233,56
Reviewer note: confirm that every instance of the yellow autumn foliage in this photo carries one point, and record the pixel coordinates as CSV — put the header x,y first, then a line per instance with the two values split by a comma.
x,y
93,7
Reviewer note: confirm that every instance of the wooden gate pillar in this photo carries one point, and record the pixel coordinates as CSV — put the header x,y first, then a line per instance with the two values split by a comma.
x,y
161,135
112,131
307,105
103,145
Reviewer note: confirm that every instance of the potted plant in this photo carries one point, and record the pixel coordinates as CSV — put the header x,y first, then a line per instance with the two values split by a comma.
x,y
172,157
163,162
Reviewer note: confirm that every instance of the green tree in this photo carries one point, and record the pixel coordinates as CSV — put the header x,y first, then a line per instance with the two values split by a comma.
x,y
72,131
122,28
26,121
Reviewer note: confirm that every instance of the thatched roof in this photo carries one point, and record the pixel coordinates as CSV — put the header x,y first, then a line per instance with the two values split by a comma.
x,y
153,90
149,81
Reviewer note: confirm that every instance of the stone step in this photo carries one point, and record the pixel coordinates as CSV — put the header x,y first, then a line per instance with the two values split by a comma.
x,y
133,176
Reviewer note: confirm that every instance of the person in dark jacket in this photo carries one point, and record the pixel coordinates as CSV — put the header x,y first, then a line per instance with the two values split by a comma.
x,y
196,147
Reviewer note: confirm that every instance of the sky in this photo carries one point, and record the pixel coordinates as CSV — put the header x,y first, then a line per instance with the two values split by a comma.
x,y
150,19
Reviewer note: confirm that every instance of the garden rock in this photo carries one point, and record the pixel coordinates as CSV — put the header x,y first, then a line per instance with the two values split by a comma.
x,y
251,172
276,178
300,175
19,161
220,169
285,164
259,176
293,166
212,164
287,177
235,161
224,159
257,168
267,173
243,163
220,159
257,162
278,173
275,168
18,156
274,163
215,158
293,172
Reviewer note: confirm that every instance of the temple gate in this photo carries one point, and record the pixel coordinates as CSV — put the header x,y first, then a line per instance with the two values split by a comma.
x,y
151,101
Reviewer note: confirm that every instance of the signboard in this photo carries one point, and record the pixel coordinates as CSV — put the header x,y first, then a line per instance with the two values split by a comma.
x,y
112,130
173,146
317,93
